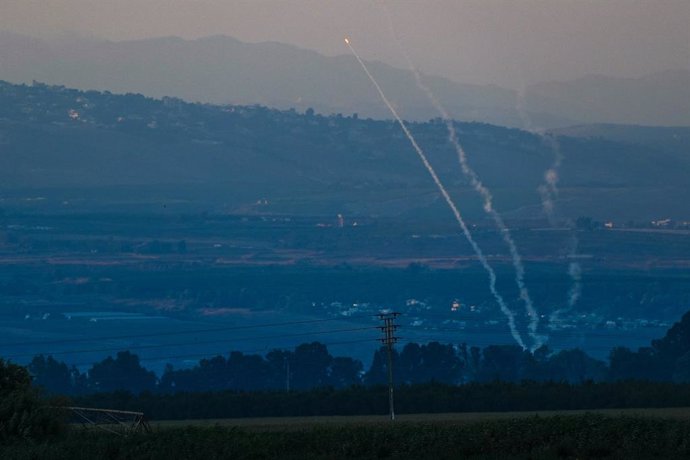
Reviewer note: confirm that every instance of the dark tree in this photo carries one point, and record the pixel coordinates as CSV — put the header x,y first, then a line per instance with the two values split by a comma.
x,y
247,372
52,375
311,364
279,364
645,364
681,371
575,366
123,372
431,362
676,342
345,372
23,414
378,371
502,362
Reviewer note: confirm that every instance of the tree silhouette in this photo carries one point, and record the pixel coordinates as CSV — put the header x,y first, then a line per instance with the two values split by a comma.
x,y
51,374
123,372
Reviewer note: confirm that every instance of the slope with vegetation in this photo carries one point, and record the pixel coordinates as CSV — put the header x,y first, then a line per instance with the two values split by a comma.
x,y
122,148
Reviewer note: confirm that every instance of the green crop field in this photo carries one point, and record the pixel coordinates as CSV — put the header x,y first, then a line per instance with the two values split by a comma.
x,y
630,434
301,423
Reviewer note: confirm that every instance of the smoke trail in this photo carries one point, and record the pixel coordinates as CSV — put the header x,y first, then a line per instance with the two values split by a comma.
x,y
480,188
549,193
548,190
458,217
575,273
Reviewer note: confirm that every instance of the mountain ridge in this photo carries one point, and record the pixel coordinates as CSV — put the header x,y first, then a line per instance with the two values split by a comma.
x,y
220,69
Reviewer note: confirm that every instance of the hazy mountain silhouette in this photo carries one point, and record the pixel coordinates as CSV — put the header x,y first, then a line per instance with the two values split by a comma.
x,y
659,99
224,70
670,138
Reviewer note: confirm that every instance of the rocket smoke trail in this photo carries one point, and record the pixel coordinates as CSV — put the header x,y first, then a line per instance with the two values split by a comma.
x,y
458,217
549,192
549,189
483,191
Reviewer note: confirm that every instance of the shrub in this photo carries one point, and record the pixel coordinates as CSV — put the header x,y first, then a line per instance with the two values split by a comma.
x,y
23,413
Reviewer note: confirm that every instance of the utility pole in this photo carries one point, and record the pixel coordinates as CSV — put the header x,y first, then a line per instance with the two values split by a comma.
x,y
389,339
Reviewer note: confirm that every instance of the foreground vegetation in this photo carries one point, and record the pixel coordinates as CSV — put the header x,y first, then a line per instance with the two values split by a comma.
x,y
30,429
582,436
24,415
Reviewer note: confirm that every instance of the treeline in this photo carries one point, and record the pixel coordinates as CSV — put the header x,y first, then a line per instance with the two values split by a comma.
x,y
409,399
310,365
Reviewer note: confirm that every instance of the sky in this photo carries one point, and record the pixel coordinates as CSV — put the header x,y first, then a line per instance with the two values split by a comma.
x,y
511,43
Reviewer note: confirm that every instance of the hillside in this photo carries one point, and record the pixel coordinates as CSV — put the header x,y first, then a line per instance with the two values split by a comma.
x,y
659,99
91,147
670,138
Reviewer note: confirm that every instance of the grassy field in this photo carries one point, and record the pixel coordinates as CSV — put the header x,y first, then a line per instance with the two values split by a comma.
x,y
629,434
300,423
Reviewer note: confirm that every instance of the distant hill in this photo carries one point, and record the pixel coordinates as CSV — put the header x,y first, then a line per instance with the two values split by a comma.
x,y
72,148
223,70
659,99
670,138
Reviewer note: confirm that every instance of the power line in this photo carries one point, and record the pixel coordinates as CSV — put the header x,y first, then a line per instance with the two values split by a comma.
x,y
286,323
202,355
433,338
191,331
587,335
179,344
486,343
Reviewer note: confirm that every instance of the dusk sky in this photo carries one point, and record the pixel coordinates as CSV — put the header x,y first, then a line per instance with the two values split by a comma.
x,y
506,42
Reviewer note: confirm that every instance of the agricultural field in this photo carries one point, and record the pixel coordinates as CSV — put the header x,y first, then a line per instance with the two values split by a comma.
x,y
607,434
300,423
78,276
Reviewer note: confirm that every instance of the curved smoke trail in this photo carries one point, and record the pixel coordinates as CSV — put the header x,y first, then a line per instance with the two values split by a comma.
x,y
548,190
483,191
458,217
549,193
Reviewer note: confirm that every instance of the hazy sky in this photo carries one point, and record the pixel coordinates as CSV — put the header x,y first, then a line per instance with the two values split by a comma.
x,y
508,42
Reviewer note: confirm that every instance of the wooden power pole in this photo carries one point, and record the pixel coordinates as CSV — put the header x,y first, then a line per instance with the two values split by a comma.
x,y
389,339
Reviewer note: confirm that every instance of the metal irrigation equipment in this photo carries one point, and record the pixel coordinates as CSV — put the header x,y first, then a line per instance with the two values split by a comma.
x,y
118,422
